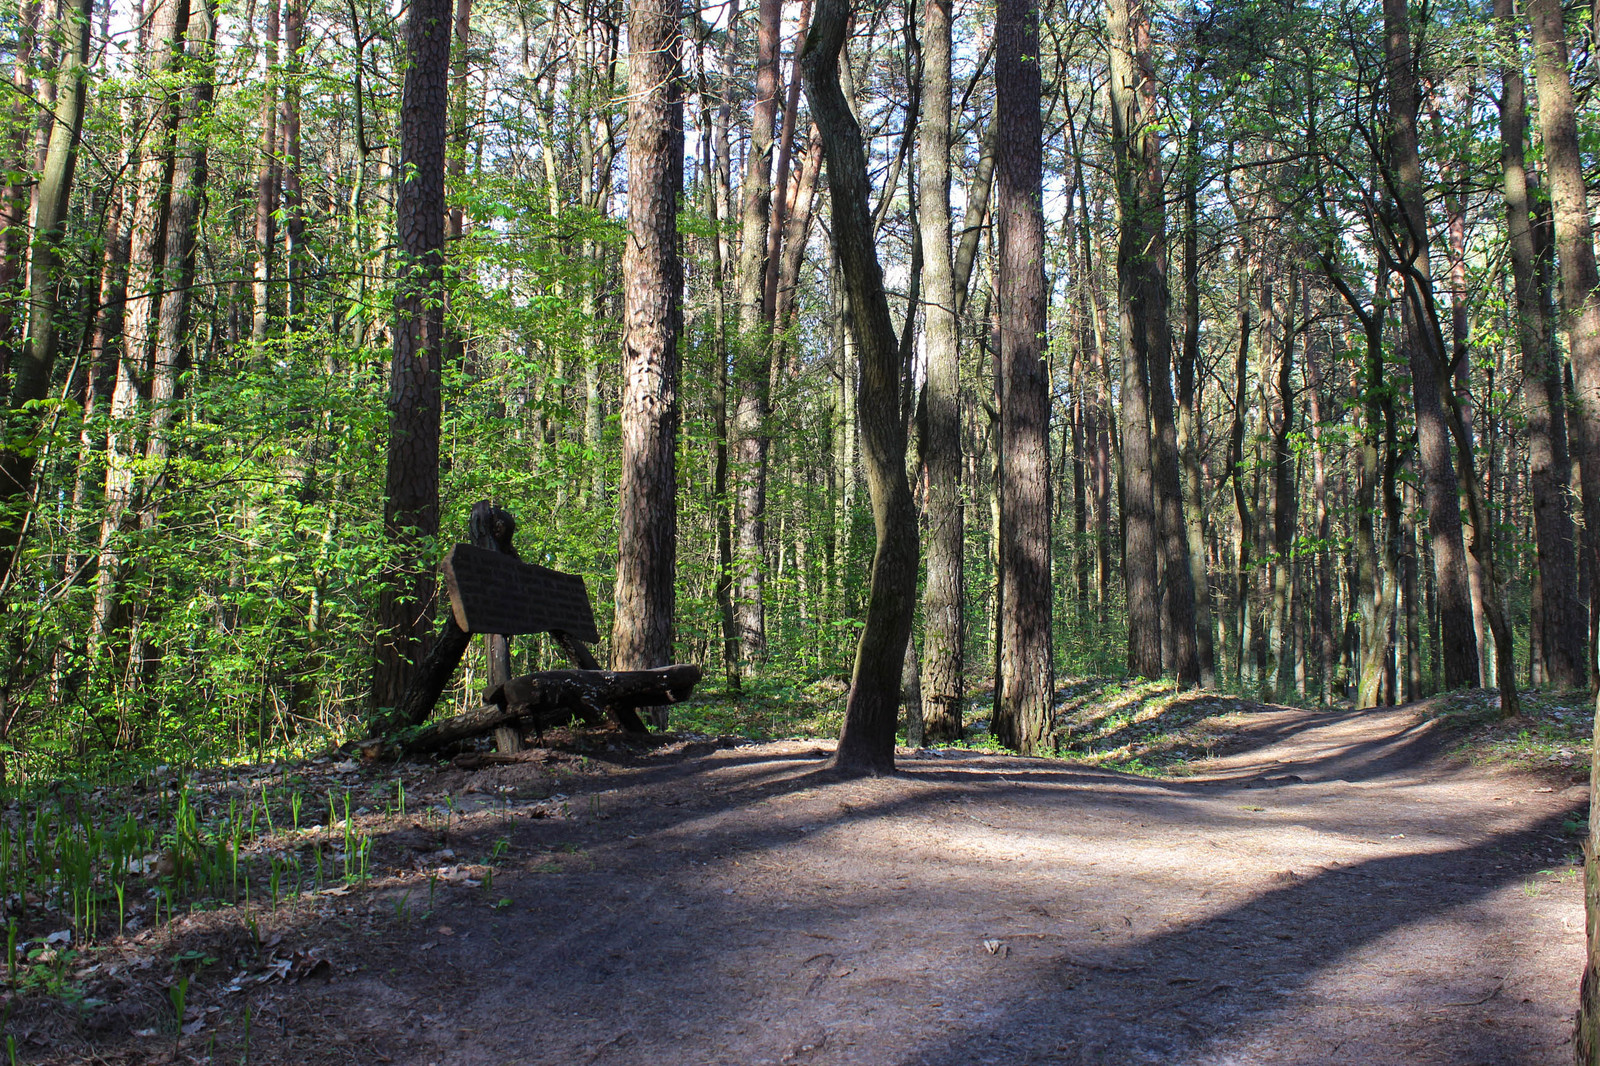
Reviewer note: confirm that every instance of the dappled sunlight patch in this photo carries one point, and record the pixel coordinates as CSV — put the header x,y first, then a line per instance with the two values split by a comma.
x,y
1145,727
1553,734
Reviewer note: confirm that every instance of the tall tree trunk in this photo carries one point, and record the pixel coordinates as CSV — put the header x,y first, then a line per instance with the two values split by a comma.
x,y
944,600
411,478
866,742
188,203
1242,517
1563,621
714,154
1025,687
1460,647
1129,136
14,193
1285,501
752,355
1188,404
294,222
266,182
169,21
641,637
31,373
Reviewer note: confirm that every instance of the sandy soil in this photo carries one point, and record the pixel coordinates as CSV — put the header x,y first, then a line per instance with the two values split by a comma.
x,y
1334,891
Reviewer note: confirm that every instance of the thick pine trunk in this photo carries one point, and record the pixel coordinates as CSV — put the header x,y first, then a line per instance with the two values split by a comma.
x,y
1562,619
653,283
866,742
411,481
1025,687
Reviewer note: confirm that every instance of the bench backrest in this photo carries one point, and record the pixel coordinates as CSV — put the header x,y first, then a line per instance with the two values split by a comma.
x,y
495,593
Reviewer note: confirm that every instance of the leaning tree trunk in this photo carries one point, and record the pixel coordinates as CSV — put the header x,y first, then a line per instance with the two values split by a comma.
x,y
653,281
866,742
411,480
31,373
944,601
1026,682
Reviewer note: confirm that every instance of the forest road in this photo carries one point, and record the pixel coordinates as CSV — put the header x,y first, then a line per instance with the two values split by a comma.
x,y
1337,890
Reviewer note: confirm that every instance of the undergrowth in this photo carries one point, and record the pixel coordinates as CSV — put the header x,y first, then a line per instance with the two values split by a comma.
x,y
1553,733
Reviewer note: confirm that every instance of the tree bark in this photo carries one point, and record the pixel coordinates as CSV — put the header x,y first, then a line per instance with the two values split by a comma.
x,y
1025,687
1137,223
1441,490
148,236
555,697
411,480
866,742
31,373
944,600
1188,430
752,358
266,183
1562,616
653,282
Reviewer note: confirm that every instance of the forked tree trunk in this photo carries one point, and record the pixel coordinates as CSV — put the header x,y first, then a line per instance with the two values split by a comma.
x,y
866,742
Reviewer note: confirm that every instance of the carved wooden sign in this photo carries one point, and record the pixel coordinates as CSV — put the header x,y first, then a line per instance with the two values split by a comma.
x,y
495,593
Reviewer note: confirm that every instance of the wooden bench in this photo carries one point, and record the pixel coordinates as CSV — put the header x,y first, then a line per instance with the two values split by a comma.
x,y
494,593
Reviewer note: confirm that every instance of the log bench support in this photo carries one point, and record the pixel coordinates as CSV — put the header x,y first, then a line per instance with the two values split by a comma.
x,y
494,593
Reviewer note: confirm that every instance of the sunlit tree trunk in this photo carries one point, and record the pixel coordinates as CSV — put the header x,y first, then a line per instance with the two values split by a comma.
x,y
1441,489
641,636
169,21
1563,622
266,181
1580,306
752,355
944,602
866,742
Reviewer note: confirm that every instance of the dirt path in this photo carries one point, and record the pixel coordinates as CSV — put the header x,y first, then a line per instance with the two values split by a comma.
x,y
1334,892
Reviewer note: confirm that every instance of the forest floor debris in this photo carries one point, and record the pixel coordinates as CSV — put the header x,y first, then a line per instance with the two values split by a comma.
x,y
1319,886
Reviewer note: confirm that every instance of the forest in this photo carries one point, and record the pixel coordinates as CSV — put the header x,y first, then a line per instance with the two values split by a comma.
x,y
910,361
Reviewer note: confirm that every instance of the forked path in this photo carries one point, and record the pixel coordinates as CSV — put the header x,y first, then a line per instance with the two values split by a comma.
x,y
1334,892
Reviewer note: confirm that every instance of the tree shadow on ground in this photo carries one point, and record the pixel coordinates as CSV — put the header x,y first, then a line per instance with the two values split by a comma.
x,y
745,907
